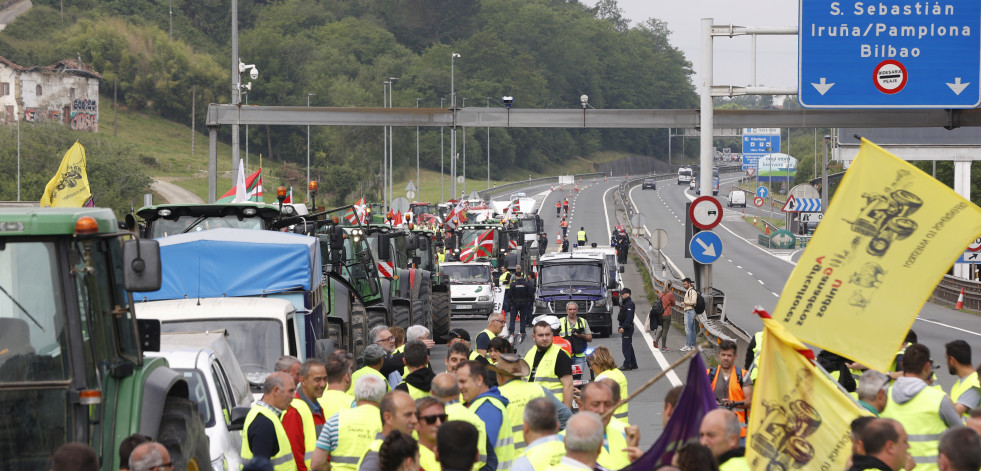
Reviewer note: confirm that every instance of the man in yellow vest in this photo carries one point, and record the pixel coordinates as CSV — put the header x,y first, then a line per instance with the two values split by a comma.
x,y
374,358
336,398
420,378
432,415
541,432
491,407
574,329
872,391
583,442
504,282
581,236
510,369
263,436
549,365
304,418
719,431
495,324
347,434
924,411
446,389
398,412
620,440
966,391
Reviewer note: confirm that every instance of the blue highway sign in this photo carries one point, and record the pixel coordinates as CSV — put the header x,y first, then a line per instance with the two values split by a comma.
x,y
705,247
890,54
802,205
762,191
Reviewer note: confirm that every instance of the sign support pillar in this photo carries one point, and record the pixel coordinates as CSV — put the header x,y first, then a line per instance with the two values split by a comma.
x,y
703,273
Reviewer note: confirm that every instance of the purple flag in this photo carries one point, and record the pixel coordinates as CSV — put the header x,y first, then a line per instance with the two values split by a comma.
x,y
696,400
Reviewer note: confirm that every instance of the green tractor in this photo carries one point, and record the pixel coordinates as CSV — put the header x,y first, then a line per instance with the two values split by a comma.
x,y
71,351
425,257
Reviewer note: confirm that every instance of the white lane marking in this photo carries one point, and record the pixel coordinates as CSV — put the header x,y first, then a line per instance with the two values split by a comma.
x,y
948,326
749,273
739,267
774,294
761,281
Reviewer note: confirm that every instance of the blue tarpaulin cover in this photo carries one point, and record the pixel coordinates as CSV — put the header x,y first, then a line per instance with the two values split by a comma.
x,y
236,262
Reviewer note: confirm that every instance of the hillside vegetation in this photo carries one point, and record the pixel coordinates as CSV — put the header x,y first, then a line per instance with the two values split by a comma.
x,y
544,53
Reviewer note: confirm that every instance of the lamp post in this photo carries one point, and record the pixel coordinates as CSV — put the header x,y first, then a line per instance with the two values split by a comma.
x,y
308,145
453,57
825,191
247,137
418,181
391,140
384,194
464,105
442,186
488,149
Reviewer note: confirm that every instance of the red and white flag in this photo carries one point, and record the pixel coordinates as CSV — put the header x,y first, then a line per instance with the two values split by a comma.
x,y
361,208
289,197
482,246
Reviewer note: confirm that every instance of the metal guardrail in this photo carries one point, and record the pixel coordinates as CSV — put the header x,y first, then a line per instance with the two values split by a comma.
x,y
530,182
949,289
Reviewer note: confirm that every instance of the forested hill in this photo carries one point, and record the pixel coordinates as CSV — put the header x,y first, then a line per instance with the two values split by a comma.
x,y
544,53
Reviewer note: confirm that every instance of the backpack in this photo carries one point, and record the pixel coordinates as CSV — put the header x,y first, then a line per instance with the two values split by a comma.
x,y
699,302
658,308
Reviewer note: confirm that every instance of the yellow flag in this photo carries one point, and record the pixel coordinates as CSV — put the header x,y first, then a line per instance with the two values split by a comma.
x,y
890,234
70,186
799,417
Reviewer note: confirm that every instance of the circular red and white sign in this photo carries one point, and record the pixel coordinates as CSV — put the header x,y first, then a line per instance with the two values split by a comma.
x,y
758,201
890,76
975,246
705,212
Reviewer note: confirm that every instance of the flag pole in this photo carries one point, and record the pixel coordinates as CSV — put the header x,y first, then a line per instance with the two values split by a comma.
x,y
653,380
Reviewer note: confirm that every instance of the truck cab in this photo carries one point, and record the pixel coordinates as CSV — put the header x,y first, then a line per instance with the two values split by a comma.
x,y
471,288
584,277
171,219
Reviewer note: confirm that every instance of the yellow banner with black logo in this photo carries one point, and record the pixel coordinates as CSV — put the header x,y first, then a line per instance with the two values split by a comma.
x,y
888,237
70,186
800,419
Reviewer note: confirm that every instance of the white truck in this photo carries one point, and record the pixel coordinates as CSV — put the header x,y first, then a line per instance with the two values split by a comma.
x,y
471,288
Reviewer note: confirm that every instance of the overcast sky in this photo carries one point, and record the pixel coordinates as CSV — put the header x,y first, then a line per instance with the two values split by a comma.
x,y
776,55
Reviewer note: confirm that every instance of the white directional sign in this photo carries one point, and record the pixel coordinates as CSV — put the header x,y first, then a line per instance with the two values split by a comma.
x,y
705,247
799,205
970,257
705,212
411,186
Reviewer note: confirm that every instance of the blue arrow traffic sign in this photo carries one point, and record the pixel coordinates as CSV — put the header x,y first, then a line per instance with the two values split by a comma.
x,y
886,54
705,247
762,191
802,205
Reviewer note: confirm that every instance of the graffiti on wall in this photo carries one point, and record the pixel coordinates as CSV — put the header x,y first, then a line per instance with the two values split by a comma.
x,y
85,115
31,114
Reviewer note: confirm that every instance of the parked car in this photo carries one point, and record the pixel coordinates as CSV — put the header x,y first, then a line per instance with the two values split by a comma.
x,y
216,383
649,183
737,198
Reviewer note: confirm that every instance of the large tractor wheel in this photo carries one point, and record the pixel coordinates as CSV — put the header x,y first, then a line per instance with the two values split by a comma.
x,y
421,305
182,432
358,330
400,315
441,316
376,317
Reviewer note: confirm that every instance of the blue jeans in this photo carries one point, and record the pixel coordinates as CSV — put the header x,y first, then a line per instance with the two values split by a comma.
x,y
690,325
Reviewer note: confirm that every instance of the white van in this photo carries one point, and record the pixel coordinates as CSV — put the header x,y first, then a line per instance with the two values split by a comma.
x,y
737,198
684,175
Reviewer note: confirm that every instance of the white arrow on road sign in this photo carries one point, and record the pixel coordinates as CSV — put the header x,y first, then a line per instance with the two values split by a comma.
x,y
822,87
957,87
708,250
411,186
782,239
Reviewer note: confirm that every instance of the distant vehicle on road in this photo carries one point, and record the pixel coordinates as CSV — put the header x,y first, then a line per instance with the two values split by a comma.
x,y
737,198
649,183
685,175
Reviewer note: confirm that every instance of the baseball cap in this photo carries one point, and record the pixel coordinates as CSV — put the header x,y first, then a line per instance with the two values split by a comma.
x,y
458,334
373,353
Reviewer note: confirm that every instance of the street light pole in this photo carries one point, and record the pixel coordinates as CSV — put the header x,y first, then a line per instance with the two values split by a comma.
x,y
247,138
825,191
308,147
236,82
391,141
442,185
488,149
384,194
464,153
453,57
418,181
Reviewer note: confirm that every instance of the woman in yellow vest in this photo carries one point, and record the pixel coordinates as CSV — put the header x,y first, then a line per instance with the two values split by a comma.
x,y
604,366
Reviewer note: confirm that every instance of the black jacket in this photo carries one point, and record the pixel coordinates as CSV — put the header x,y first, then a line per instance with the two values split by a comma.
x,y
521,291
865,462
421,379
626,316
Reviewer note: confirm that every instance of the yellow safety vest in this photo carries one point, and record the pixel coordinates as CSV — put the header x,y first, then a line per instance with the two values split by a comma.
x,y
333,401
621,379
545,373
375,447
923,425
458,411
356,429
309,429
581,237
427,459
964,385
366,370
441,256
547,452
519,394
612,455
504,446
415,392
474,355
736,463
504,280
283,461
754,368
